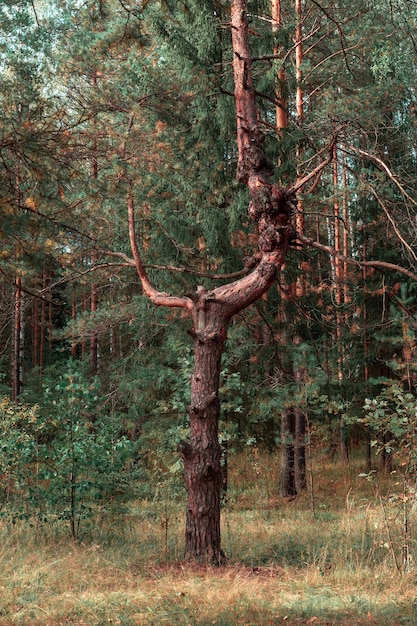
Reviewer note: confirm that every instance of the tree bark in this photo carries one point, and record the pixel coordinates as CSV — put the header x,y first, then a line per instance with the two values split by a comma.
x,y
270,208
280,86
203,472
293,477
286,485
385,456
94,336
43,326
300,451
17,340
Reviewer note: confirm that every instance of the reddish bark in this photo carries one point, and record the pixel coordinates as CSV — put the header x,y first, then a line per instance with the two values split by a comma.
x,y
280,88
299,60
94,336
271,208
43,326
17,348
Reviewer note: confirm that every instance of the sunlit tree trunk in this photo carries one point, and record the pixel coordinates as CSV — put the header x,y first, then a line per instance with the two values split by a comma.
x,y
280,85
339,279
293,477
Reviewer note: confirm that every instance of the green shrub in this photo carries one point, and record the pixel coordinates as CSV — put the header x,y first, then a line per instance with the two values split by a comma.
x,y
63,458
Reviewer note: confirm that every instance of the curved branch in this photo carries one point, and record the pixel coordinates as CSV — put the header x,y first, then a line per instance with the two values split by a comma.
x,y
183,270
384,167
240,294
309,241
157,297
393,224
317,170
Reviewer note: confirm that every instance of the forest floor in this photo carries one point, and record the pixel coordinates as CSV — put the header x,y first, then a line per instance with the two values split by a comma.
x,y
343,553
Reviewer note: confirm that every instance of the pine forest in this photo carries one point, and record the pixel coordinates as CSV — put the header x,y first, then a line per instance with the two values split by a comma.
x,y
208,332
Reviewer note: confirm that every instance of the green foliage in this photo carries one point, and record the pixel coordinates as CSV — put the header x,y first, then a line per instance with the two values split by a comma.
x,y
391,417
64,458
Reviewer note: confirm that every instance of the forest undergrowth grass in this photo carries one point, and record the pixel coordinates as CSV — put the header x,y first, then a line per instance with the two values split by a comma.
x,y
287,564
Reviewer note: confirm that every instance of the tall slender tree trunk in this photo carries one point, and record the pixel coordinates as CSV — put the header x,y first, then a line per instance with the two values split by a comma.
x,y
339,297
94,291
300,289
368,449
281,111
17,340
94,336
73,317
35,329
293,424
43,326
286,486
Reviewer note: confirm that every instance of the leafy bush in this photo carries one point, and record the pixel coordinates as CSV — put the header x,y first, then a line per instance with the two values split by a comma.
x,y
63,458
391,419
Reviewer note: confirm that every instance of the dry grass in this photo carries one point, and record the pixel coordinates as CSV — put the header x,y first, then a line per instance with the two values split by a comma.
x,y
286,565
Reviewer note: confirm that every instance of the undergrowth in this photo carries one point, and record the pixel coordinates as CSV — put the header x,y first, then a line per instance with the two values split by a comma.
x,y
337,562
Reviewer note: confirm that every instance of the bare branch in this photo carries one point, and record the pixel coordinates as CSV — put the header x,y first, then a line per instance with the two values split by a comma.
x,y
29,209
384,167
339,28
30,292
34,10
158,298
182,270
394,224
331,56
317,170
309,241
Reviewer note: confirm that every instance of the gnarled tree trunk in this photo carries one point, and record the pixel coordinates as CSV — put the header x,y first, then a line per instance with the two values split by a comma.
x,y
270,208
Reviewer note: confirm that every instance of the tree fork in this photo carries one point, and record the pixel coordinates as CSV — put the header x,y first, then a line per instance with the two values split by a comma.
x,y
271,208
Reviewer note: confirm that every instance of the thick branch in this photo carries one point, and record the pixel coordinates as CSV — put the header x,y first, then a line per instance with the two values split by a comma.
x,y
240,294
